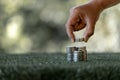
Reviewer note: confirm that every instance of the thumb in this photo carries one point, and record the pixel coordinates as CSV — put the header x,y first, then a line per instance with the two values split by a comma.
x,y
89,30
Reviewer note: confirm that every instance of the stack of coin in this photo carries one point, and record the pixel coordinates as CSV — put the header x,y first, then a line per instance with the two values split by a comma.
x,y
83,53
77,53
70,51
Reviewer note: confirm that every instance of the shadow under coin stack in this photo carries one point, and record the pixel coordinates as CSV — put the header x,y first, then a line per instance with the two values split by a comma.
x,y
77,53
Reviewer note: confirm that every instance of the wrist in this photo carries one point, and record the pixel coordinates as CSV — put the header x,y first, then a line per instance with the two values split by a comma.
x,y
97,4
106,3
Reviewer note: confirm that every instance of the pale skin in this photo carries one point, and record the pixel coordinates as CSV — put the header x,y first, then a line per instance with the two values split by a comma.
x,y
86,16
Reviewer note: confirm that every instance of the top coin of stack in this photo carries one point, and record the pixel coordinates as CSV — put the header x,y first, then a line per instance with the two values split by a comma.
x,y
79,40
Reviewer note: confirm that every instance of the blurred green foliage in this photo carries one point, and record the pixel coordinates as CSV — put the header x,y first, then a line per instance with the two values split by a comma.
x,y
32,25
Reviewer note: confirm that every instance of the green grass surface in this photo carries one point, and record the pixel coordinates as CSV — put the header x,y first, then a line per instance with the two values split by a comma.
x,y
56,67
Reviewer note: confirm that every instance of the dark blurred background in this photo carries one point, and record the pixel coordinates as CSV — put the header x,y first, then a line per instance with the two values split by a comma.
x,y
38,26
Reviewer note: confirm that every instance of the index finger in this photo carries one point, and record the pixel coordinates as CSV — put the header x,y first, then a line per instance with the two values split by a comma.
x,y
70,33
72,21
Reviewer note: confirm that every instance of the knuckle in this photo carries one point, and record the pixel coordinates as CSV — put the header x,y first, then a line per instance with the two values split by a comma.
x,y
72,10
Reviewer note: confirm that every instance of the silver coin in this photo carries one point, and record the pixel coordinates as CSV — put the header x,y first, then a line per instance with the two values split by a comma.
x,y
77,56
69,56
69,51
79,40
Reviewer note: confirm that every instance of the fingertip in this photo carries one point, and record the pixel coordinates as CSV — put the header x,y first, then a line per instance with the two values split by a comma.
x,y
85,39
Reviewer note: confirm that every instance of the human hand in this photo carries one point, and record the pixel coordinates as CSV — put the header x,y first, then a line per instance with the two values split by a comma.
x,y
83,16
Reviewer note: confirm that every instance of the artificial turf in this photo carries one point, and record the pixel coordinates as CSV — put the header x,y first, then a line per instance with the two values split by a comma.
x,y
36,66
